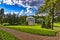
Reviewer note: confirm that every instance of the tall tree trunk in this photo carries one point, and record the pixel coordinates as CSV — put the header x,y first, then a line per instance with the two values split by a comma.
x,y
52,18
52,11
52,22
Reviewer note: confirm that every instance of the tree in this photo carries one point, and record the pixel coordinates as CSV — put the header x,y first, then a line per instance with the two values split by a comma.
x,y
12,19
51,6
9,18
1,15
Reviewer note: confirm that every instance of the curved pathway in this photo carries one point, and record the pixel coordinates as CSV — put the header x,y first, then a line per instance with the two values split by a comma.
x,y
27,36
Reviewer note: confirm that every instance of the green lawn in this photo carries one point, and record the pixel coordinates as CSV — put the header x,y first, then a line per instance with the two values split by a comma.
x,y
34,30
6,36
57,24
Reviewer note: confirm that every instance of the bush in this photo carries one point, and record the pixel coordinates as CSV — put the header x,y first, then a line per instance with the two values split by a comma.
x,y
57,19
6,24
48,24
38,21
43,24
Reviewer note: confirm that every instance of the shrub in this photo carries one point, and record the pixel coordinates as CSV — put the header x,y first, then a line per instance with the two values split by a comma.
x,y
57,19
6,24
48,24
43,24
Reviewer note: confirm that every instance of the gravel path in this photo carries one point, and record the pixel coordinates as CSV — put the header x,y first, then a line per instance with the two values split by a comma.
x,y
27,36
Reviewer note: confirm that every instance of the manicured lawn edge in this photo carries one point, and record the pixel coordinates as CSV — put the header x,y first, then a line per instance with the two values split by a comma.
x,y
40,31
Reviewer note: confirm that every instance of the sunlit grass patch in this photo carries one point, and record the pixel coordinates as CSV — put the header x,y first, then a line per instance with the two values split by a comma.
x,y
34,30
56,24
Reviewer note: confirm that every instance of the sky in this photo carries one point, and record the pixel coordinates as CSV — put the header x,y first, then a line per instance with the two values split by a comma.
x,y
21,7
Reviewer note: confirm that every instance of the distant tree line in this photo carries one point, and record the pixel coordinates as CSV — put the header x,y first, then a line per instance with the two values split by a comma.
x,y
14,19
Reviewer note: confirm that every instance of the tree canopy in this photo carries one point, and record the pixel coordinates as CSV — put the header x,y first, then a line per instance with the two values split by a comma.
x,y
50,6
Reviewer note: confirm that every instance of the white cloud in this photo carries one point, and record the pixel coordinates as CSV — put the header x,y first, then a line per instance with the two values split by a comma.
x,y
35,7
8,2
20,3
15,1
6,12
0,1
27,0
16,12
11,12
21,12
28,10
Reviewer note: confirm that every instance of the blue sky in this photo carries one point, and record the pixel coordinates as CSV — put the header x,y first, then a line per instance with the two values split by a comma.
x,y
21,7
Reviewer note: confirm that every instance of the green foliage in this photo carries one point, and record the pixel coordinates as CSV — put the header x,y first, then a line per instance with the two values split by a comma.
x,y
34,30
38,19
43,24
6,24
23,20
50,6
48,21
6,36
48,24
14,19
57,19
1,15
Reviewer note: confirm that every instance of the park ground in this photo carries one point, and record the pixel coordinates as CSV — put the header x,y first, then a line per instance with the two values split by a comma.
x,y
33,32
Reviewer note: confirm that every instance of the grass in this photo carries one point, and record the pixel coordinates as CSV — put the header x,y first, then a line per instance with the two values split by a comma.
x,y
6,36
34,30
57,24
